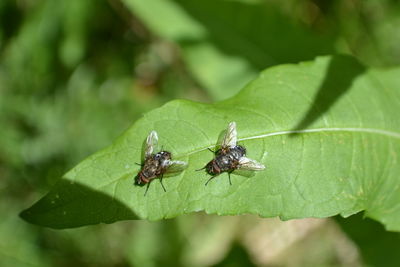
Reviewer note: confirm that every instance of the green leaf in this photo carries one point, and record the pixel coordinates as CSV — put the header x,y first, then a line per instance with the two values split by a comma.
x,y
328,132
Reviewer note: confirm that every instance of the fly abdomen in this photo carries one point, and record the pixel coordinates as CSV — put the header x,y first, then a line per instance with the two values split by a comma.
x,y
237,152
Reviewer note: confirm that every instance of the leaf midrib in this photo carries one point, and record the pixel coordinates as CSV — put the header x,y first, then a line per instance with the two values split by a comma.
x,y
316,130
387,133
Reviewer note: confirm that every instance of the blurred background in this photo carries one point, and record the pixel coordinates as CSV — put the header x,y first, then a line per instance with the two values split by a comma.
x,y
75,74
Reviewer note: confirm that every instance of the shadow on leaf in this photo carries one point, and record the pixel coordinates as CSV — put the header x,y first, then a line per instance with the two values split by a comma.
x,y
340,75
70,205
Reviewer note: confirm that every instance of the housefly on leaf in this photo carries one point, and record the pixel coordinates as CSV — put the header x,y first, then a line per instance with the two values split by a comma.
x,y
156,164
230,157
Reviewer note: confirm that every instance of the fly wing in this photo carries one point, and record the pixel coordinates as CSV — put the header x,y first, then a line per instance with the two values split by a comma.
x,y
230,138
151,142
249,164
174,166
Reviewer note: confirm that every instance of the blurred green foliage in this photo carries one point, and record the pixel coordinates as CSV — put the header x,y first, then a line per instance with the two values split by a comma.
x,y
379,246
74,74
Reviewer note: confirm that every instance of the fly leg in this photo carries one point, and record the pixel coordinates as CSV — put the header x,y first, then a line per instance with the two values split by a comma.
x,y
162,175
229,176
206,165
147,188
212,177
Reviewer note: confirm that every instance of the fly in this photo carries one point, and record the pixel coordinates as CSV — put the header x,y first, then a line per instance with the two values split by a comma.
x,y
156,164
230,157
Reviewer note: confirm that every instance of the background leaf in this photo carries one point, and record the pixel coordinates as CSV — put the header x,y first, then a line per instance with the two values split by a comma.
x,y
17,242
345,161
220,43
376,249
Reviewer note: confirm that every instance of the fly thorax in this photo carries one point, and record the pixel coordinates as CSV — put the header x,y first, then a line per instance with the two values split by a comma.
x,y
149,172
163,155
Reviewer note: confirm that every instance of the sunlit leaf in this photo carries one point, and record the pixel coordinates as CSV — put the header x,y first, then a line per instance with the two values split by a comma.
x,y
328,132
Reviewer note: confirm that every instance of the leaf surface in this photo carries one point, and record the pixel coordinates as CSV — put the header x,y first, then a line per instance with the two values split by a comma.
x,y
327,130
